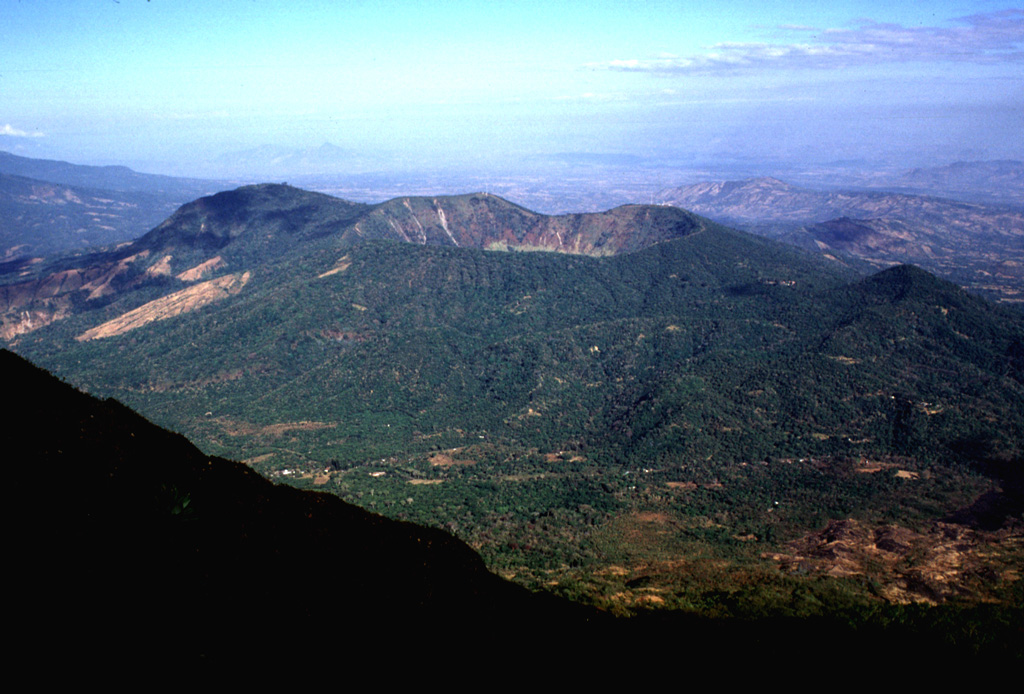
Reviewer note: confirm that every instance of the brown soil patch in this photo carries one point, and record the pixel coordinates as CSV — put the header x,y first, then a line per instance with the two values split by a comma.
x,y
643,537
941,562
100,286
24,322
644,599
871,467
222,377
526,477
649,599
445,460
652,517
681,485
284,427
530,412
204,269
344,335
161,268
421,481
239,428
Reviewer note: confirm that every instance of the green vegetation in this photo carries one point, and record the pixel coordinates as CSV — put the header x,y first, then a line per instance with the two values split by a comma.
x,y
675,427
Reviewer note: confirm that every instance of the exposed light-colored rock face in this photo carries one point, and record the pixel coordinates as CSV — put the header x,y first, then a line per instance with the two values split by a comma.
x,y
28,306
169,306
491,223
25,322
161,268
343,264
202,270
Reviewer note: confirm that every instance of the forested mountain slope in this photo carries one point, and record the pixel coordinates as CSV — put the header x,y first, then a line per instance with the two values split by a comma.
x,y
582,421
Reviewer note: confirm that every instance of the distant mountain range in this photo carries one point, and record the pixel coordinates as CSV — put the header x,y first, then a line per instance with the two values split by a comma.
x,y
119,178
661,388
997,182
49,207
43,218
978,246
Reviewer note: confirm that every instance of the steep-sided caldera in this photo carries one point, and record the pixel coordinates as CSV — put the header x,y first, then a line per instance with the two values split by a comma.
x,y
487,221
236,232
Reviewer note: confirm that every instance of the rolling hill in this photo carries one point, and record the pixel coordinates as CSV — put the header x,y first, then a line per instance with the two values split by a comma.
x,y
975,245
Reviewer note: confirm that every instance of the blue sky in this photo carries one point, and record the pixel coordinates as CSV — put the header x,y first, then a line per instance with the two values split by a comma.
x,y
475,83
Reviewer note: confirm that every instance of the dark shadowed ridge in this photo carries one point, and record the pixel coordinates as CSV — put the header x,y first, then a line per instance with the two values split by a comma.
x,y
129,526
263,210
900,281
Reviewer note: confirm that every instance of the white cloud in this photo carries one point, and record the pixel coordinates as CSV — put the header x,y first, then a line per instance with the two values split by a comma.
x,y
11,131
983,38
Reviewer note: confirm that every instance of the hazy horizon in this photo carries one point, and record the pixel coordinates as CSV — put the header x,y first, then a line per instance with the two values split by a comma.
x,y
184,87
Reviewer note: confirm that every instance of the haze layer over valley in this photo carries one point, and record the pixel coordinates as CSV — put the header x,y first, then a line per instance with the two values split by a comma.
x,y
609,98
